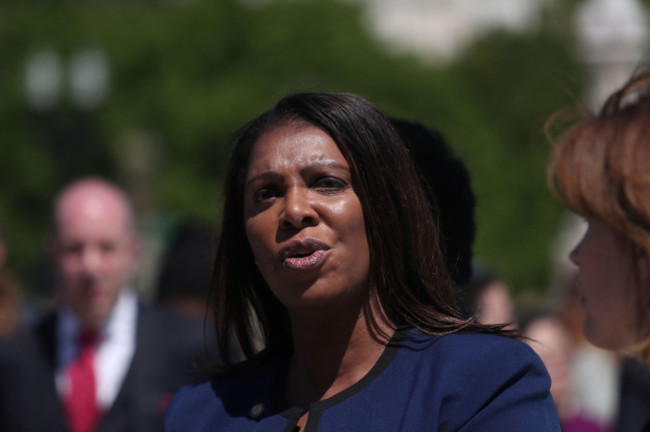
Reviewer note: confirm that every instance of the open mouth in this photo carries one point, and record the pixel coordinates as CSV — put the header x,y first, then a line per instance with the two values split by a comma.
x,y
303,255
304,261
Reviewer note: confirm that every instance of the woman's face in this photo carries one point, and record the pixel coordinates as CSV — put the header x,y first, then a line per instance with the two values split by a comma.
x,y
607,277
304,221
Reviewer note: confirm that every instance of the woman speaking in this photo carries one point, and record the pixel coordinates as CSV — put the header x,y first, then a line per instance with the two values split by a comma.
x,y
330,280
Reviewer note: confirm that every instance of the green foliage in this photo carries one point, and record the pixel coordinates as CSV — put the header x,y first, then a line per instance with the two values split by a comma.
x,y
519,83
187,74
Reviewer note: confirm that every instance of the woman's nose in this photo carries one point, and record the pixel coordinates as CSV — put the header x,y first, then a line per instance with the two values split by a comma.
x,y
298,210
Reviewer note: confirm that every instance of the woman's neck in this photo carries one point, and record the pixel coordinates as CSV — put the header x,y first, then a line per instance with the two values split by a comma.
x,y
331,356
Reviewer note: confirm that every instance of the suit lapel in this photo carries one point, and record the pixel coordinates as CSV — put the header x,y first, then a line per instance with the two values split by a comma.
x,y
47,398
133,402
122,413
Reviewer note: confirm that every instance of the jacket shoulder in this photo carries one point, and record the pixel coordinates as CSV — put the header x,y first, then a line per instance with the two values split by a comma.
x,y
486,363
495,383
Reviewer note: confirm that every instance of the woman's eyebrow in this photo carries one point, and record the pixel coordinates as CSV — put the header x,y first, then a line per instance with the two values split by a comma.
x,y
323,164
272,175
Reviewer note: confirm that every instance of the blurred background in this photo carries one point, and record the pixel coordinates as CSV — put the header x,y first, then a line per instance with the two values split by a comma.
x,y
148,93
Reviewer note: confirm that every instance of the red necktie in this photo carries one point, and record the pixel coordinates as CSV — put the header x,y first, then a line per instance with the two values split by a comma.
x,y
80,404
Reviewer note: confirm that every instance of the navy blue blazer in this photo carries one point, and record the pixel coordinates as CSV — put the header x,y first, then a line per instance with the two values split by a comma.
x,y
460,382
166,346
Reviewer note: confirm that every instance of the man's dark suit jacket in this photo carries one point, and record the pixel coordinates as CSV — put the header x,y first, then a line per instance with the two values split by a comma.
x,y
165,358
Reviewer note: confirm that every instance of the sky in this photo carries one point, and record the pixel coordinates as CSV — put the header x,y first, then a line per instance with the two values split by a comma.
x,y
439,29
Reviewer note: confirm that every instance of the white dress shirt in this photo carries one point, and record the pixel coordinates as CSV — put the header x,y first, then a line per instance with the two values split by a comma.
x,y
115,348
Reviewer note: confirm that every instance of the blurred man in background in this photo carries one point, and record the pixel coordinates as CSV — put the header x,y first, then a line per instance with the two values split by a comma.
x,y
101,361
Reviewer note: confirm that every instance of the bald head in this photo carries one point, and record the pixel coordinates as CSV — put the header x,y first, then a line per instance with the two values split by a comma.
x,y
94,247
92,198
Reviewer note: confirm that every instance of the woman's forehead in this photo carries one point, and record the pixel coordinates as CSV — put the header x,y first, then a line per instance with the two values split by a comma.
x,y
284,145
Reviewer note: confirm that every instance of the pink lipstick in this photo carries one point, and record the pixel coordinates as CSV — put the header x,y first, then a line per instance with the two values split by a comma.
x,y
303,255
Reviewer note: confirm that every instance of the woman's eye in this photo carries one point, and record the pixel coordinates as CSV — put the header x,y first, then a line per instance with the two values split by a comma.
x,y
264,194
330,184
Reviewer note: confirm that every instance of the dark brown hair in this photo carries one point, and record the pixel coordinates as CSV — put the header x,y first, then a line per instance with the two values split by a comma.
x,y
408,278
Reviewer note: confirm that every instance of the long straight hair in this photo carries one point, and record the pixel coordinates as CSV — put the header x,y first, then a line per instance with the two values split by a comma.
x,y
408,279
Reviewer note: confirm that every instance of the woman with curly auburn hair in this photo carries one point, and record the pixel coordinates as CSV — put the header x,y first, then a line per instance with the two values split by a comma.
x,y
600,169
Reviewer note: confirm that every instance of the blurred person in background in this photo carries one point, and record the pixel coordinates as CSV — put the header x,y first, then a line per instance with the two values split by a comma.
x,y
634,399
101,360
8,295
599,169
183,281
595,372
550,337
329,251
451,200
487,297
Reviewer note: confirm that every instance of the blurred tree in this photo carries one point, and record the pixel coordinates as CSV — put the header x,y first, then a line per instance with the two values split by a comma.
x,y
186,74
533,77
